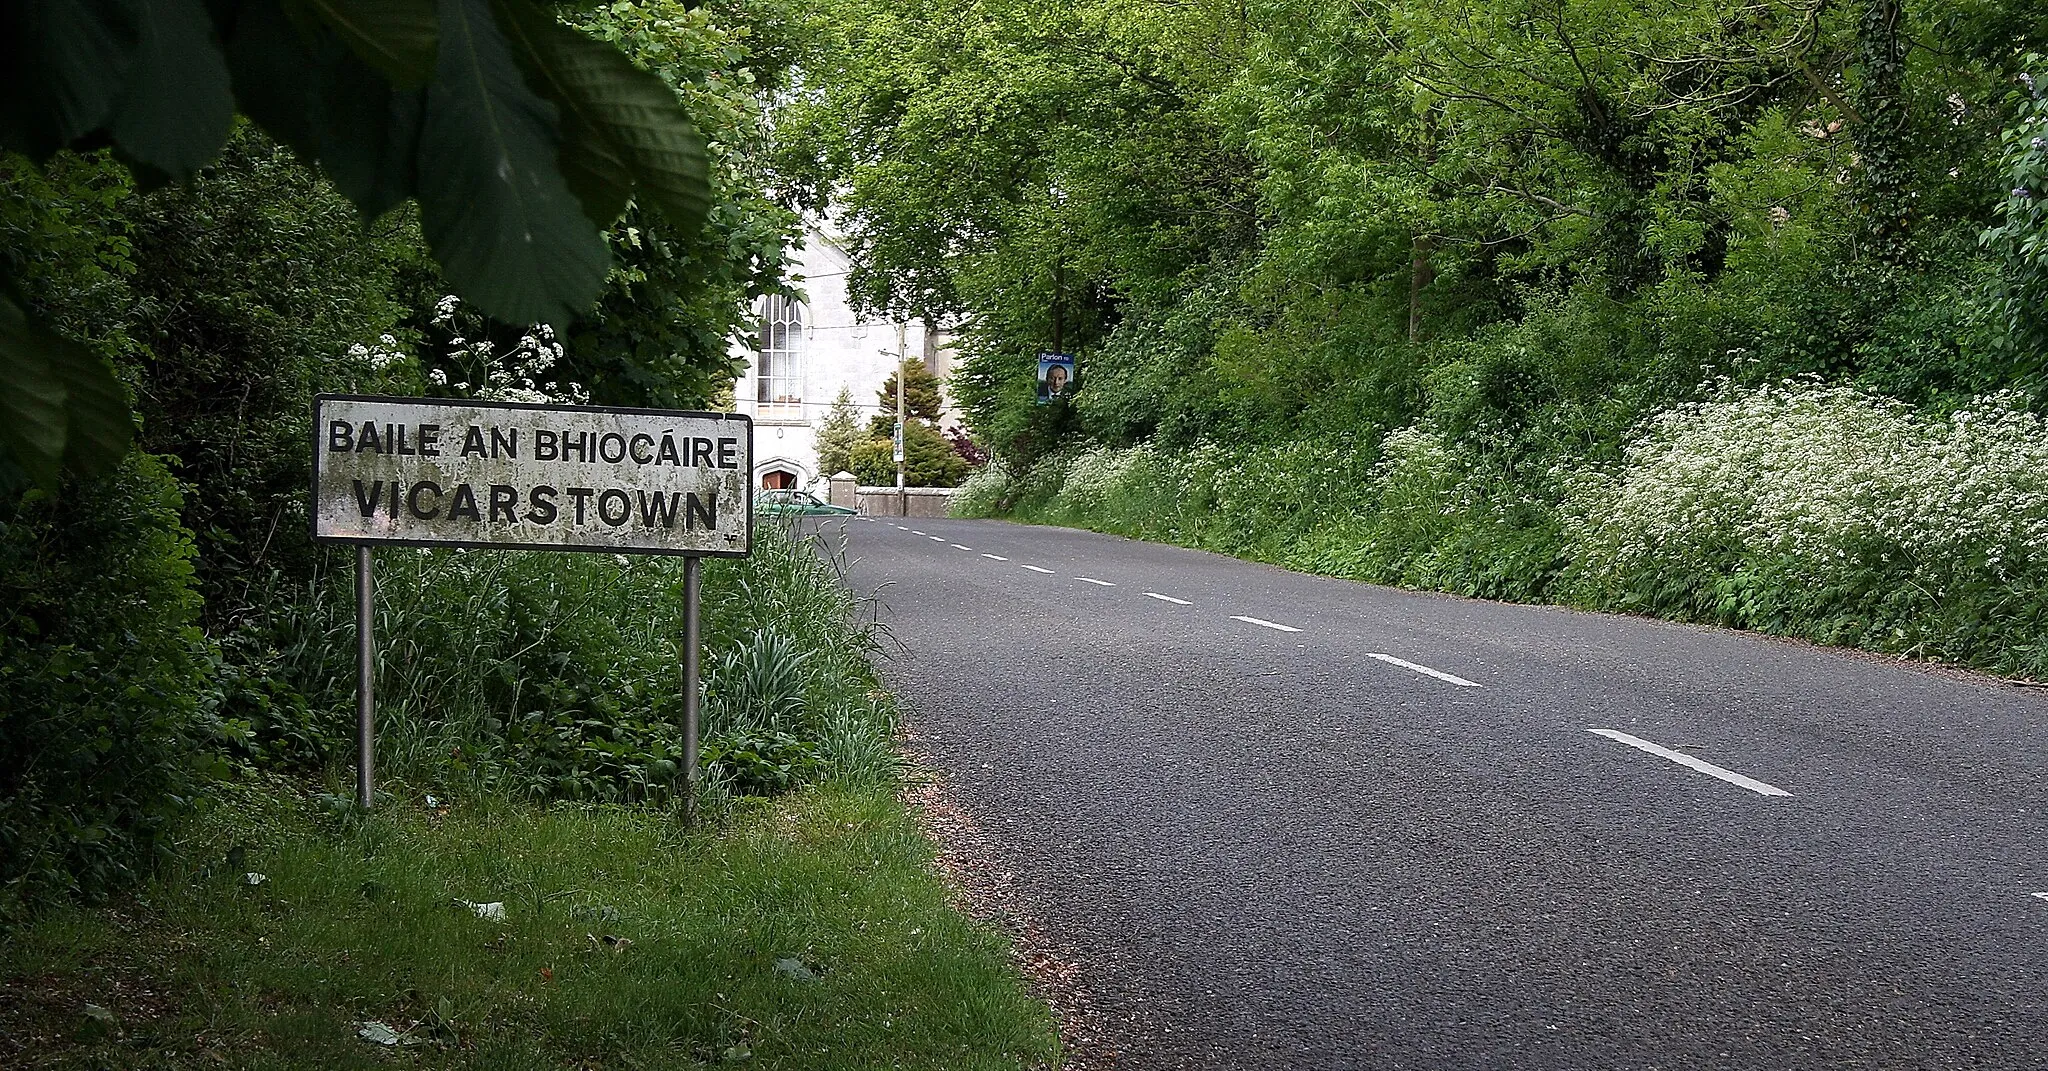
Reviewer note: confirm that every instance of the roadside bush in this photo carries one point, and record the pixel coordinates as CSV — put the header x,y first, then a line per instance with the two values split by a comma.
x,y
929,459
985,493
103,683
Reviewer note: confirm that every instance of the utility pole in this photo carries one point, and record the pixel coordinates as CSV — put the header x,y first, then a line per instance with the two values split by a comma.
x,y
902,364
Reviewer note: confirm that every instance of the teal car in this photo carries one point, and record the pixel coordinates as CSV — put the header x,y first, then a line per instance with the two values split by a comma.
x,y
796,504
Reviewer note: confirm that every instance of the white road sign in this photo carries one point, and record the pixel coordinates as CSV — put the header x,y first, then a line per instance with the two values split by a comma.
x,y
452,472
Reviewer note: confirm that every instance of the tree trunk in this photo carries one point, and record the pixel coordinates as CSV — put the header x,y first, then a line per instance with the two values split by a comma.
x,y
1421,273
1421,253
1883,193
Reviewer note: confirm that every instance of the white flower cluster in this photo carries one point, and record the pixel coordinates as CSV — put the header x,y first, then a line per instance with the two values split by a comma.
x,y
517,376
1279,483
1418,470
982,493
1821,481
514,376
384,354
1096,475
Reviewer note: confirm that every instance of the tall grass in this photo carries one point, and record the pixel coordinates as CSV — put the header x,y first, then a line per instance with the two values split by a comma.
x,y
554,675
529,715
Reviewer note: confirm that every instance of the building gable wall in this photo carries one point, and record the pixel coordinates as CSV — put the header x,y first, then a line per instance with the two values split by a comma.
x,y
839,351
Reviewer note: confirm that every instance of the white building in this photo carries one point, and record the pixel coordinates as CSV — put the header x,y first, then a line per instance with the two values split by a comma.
x,y
808,352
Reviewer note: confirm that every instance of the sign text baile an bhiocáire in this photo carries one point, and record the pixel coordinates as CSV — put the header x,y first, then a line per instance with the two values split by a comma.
x,y
539,477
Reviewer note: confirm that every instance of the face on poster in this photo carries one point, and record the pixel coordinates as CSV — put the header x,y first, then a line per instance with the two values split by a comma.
x,y
1055,376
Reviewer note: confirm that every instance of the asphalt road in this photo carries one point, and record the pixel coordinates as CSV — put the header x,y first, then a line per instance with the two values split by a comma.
x,y
1292,822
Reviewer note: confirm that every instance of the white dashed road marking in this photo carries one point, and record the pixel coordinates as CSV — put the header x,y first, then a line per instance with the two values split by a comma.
x,y
936,539
914,531
1264,623
1691,763
1451,678
1036,569
2042,895
957,546
995,557
1092,580
1167,598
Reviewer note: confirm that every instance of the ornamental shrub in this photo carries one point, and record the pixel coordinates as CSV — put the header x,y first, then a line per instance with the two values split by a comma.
x,y
929,459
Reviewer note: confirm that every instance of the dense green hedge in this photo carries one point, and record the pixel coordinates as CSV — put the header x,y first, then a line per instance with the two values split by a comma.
x,y
104,683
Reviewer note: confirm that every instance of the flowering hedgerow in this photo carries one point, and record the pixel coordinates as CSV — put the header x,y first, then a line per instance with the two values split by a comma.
x,y
1812,477
1820,511
1828,511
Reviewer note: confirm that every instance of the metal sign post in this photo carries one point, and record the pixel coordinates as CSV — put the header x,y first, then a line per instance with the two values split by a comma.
x,y
693,575
366,679
902,373
459,473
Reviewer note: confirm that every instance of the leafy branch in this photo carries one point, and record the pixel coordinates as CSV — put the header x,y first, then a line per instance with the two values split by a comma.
x,y
518,137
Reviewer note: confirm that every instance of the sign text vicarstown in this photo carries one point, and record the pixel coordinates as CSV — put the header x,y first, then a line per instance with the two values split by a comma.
x,y
501,474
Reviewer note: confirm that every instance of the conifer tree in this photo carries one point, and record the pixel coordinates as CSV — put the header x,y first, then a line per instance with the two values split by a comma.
x,y
838,434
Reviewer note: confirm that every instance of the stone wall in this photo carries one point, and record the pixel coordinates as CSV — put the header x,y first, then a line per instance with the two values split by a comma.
x,y
909,502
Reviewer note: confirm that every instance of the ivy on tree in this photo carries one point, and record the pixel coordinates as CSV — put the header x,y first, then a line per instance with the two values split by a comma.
x,y
518,137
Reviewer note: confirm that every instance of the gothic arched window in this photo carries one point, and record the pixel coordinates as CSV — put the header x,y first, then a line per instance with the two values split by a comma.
x,y
779,374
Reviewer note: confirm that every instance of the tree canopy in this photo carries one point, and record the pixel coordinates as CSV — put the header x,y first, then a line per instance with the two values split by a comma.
x,y
1259,220
518,138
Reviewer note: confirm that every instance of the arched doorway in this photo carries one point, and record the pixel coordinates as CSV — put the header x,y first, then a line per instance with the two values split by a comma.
x,y
778,480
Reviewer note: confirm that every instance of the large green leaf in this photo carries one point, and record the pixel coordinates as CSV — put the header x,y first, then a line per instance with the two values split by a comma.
x,y
493,206
101,422
368,134
397,37
269,58
622,127
63,65
61,409
32,424
177,108
297,81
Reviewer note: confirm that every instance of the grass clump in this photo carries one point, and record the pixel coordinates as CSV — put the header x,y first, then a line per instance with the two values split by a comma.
x,y
810,932
557,676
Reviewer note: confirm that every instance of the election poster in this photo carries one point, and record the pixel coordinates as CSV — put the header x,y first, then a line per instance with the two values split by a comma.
x,y
1056,378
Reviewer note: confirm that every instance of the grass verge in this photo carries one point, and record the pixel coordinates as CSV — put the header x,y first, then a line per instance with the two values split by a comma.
x,y
811,931
1828,514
